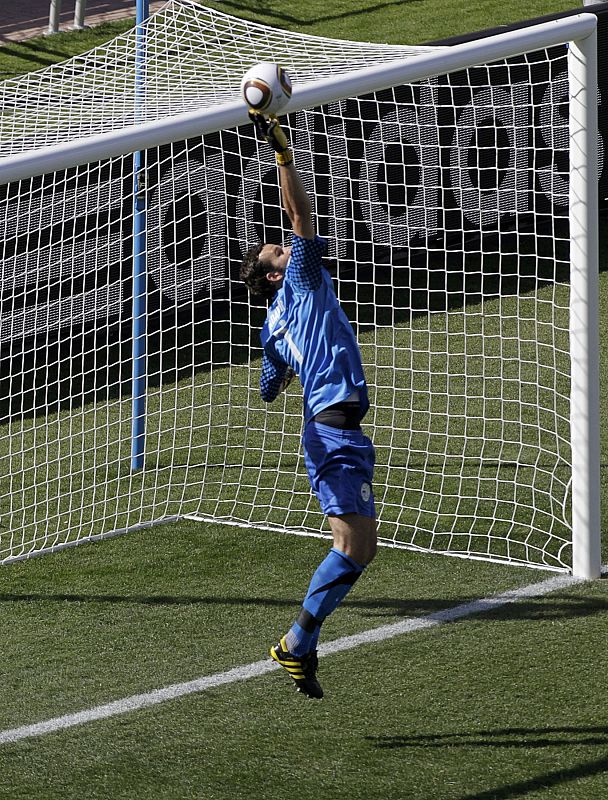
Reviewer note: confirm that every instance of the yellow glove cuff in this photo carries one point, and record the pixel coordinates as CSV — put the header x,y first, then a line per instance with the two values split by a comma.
x,y
285,158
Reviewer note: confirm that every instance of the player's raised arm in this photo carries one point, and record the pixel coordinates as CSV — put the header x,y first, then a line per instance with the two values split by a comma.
x,y
296,201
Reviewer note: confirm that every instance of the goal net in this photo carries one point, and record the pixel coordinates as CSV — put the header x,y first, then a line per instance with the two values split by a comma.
x,y
447,204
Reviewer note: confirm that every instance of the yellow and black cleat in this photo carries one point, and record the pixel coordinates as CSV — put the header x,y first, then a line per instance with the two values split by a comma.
x,y
302,669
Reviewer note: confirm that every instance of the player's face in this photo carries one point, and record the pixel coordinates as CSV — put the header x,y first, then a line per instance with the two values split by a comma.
x,y
275,256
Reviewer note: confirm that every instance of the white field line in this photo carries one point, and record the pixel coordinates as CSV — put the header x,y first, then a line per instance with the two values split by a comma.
x,y
258,668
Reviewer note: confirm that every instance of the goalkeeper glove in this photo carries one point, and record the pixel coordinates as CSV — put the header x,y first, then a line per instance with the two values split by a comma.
x,y
270,130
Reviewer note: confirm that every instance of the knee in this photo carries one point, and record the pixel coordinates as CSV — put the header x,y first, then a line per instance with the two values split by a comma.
x,y
355,535
365,544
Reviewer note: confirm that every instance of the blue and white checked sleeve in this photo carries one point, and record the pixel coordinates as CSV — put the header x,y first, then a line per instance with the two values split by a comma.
x,y
304,270
273,372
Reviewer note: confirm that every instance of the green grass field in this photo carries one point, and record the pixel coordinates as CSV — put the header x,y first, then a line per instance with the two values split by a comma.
x,y
501,704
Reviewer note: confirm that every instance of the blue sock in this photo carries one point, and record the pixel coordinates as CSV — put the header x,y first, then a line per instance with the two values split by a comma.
x,y
330,584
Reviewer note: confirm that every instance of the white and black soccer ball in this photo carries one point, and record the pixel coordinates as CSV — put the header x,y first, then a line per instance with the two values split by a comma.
x,y
266,87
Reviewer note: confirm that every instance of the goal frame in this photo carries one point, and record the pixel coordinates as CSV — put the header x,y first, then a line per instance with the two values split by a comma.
x,y
579,32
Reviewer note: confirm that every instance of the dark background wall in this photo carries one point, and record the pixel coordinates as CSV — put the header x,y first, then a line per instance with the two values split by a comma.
x,y
601,11
397,176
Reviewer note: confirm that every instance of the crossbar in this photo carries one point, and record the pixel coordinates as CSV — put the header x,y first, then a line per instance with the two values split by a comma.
x,y
229,115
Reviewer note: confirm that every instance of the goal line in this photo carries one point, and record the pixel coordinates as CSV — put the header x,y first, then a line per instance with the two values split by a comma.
x,y
258,669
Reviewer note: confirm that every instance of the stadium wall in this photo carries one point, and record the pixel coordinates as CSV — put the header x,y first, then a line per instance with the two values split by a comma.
x,y
601,11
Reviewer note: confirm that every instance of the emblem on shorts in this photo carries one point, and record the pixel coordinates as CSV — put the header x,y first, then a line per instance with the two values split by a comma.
x,y
366,491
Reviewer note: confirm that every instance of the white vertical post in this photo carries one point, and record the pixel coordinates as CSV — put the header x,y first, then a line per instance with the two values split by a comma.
x,y
584,317
79,12
54,16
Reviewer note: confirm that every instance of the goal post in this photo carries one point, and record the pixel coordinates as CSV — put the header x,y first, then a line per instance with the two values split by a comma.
x,y
584,308
138,391
466,258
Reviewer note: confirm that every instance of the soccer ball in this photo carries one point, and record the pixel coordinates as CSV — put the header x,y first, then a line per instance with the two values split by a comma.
x,y
266,87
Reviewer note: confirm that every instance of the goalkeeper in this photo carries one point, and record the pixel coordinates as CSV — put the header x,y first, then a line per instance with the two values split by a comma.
x,y
307,333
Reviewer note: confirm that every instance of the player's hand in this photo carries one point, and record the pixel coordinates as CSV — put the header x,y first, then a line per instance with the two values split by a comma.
x,y
289,376
270,129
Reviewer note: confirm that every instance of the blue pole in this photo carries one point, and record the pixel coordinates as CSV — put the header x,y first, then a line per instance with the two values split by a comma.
x,y
138,379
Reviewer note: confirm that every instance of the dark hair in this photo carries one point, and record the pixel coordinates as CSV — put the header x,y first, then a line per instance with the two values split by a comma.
x,y
253,273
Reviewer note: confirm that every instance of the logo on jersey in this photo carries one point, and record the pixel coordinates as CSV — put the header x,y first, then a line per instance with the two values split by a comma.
x,y
275,312
366,492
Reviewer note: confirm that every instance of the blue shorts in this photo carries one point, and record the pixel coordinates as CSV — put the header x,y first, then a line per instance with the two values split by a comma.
x,y
340,467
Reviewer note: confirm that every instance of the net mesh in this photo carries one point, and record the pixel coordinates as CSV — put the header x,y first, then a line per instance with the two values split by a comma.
x,y
194,57
444,205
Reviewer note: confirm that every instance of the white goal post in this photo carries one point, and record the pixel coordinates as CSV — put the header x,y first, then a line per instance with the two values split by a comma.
x,y
457,187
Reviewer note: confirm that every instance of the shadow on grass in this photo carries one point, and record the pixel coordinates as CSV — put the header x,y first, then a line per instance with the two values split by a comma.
x,y
542,608
147,600
40,52
502,737
257,8
35,52
521,738
557,608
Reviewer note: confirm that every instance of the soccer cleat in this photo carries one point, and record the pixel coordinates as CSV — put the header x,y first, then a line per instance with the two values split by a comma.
x,y
302,669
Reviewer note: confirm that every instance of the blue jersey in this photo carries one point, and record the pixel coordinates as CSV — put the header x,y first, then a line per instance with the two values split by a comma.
x,y
306,329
